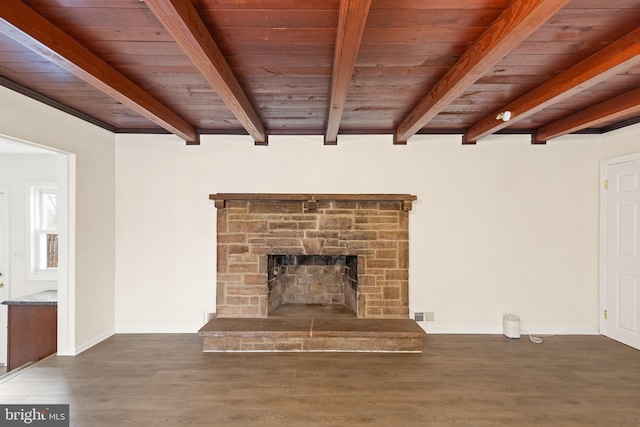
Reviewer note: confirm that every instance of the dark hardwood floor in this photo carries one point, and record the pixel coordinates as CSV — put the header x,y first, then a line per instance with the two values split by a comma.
x,y
478,380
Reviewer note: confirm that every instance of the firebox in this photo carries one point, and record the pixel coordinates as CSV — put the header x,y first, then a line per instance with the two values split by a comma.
x,y
312,280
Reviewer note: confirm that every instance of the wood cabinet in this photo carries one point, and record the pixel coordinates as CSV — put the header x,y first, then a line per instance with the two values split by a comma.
x,y
32,330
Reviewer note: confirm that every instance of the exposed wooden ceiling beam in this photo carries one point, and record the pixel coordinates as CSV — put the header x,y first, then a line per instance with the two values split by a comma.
x,y
612,109
607,62
182,21
30,29
351,23
511,28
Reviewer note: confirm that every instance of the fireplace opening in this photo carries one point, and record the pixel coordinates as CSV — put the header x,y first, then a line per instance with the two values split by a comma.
x,y
320,284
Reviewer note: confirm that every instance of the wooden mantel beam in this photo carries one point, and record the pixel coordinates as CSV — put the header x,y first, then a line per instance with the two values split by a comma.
x,y
616,108
30,29
182,21
220,199
512,27
607,62
351,24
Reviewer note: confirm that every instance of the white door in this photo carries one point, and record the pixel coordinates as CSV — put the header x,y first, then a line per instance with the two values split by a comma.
x,y
4,286
622,278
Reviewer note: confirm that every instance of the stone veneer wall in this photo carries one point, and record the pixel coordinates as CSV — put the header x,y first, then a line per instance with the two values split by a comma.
x,y
377,232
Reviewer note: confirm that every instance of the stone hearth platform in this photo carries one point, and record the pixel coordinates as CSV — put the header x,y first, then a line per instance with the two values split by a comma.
x,y
312,335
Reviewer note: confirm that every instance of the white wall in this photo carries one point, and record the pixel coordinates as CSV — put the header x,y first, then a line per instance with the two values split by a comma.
x,y
92,300
621,142
500,227
17,172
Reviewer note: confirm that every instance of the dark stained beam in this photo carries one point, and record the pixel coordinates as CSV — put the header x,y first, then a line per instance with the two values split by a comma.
x,y
182,21
351,23
615,108
607,62
30,29
512,27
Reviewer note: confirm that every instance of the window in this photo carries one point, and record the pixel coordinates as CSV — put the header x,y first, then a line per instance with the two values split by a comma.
x,y
44,214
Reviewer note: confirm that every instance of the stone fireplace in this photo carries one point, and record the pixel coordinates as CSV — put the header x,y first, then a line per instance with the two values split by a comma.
x,y
313,249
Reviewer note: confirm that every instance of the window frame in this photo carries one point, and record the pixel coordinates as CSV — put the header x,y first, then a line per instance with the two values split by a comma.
x,y
38,232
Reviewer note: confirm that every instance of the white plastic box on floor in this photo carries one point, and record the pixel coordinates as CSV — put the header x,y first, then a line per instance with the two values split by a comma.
x,y
511,326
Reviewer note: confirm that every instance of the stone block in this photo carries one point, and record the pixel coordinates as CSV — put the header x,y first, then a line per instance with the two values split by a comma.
x,y
216,344
386,254
393,235
238,249
244,268
245,290
383,244
222,258
359,235
283,242
280,225
276,207
255,279
396,274
377,219
390,293
375,226
260,250
324,234
328,250
307,225
229,277
313,246
250,311
403,254
382,263
373,311
398,311
289,234
335,223
403,223
370,290
240,300
232,238
223,311
248,226
221,222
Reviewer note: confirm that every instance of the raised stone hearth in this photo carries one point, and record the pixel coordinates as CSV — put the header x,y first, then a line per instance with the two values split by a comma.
x,y
311,250
305,334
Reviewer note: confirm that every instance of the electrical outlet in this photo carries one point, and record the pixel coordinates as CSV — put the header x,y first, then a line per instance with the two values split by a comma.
x,y
418,316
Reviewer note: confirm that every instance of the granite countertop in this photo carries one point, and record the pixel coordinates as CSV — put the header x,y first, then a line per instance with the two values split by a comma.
x,y
40,298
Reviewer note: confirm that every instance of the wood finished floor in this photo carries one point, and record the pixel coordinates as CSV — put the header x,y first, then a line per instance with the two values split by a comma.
x,y
478,380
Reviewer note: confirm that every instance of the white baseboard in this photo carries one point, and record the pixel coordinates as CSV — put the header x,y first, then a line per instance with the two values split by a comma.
x,y
91,343
498,331
156,331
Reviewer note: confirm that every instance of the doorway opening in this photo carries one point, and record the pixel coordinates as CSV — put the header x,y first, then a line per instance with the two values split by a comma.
x,y
24,166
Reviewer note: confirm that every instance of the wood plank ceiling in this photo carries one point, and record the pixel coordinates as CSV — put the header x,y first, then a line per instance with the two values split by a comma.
x,y
329,67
